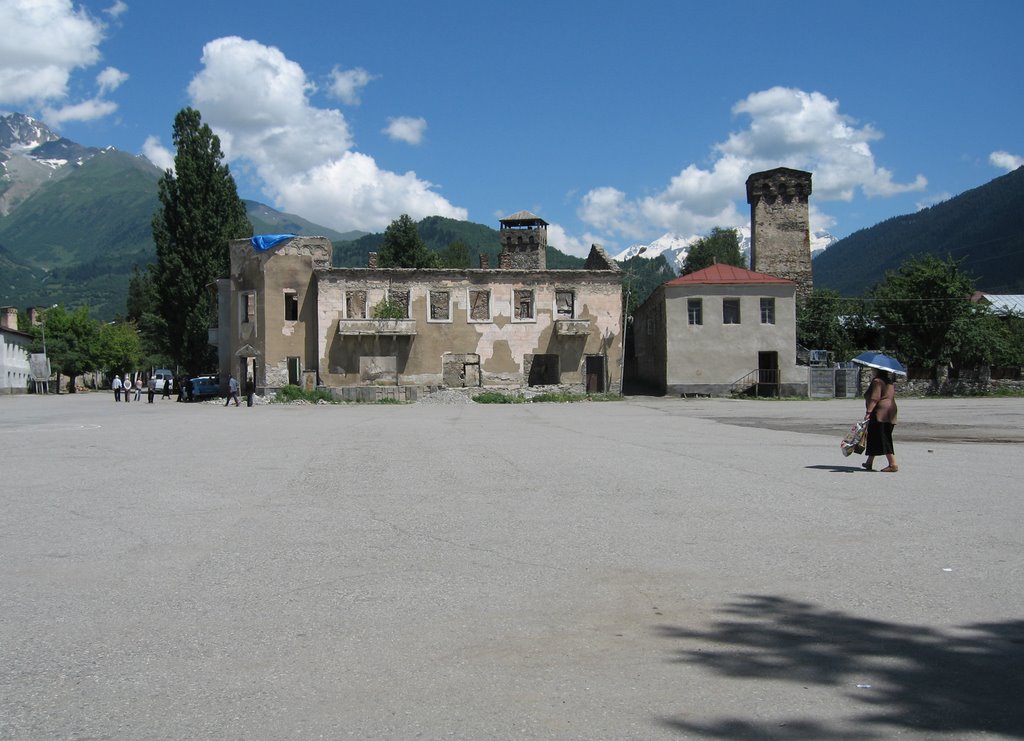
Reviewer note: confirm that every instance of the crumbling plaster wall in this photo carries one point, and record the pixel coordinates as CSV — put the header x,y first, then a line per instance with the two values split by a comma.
x,y
501,343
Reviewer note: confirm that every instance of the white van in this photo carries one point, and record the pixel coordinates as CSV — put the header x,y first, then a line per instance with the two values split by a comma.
x,y
159,376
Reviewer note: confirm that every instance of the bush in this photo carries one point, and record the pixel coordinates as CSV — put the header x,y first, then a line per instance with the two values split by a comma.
x,y
494,397
290,393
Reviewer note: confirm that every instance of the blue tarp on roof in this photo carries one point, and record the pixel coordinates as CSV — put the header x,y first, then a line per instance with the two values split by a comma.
x,y
266,241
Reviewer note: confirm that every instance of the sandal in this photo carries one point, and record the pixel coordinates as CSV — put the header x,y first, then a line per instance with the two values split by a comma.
x,y
890,469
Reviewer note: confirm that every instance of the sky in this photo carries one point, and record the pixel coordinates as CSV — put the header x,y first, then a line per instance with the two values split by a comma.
x,y
615,122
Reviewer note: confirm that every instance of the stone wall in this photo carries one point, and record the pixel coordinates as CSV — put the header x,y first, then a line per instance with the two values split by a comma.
x,y
780,242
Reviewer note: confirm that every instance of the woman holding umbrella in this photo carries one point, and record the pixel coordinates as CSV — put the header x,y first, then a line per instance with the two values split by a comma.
x,y
880,407
880,403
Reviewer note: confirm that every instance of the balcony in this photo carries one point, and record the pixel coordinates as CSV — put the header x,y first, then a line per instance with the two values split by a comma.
x,y
377,327
572,327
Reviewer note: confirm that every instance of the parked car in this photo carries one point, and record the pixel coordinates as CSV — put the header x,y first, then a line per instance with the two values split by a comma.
x,y
203,387
159,376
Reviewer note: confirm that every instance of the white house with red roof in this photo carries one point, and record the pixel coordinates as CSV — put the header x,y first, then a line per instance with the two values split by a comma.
x,y
719,331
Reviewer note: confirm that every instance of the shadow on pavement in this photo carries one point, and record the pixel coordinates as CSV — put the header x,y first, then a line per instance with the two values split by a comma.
x,y
837,468
966,680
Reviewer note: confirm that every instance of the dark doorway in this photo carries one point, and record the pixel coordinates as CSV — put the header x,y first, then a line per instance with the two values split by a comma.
x,y
294,370
768,374
596,374
543,370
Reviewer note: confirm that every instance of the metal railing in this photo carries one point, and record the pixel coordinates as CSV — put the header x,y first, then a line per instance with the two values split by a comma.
x,y
759,382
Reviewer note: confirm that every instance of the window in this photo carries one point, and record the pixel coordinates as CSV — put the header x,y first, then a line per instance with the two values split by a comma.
x,y
355,304
440,306
401,298
291,306
479,305
730,311
565,304
248,307
695,311
523,304
767,311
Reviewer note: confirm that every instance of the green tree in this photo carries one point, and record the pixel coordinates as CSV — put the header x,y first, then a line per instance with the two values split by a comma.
x,y
119,347
720,246
403,247
827,321
142,308
70,340
926,317
200,211
455,255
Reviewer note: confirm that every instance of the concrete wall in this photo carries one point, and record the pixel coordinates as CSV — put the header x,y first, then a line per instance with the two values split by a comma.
x,y
15,374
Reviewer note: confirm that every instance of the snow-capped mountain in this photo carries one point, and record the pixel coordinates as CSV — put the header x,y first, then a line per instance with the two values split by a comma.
x,y
675,248
31,155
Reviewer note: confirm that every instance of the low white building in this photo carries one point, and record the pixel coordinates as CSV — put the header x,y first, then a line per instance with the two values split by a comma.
x,y
719,331
15,374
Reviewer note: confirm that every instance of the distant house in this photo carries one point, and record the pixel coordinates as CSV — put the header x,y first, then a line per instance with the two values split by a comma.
x,y
717,331
15,373
286,316
1001,303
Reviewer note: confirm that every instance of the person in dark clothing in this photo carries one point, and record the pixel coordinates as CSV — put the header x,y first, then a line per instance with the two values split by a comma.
x,y
250,391
167,389
880,411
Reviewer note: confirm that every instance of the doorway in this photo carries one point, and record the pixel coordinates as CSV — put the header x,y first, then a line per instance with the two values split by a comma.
x,y
595,374
768,374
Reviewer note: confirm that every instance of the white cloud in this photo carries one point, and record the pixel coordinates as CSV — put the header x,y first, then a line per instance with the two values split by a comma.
x,y
559,238
406,129
257,100
158,154
1005,160
110,79
117,9
346,84
87,110
787,128
34,71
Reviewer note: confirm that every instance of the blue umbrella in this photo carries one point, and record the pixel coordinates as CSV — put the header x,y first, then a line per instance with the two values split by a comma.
x,y
880,361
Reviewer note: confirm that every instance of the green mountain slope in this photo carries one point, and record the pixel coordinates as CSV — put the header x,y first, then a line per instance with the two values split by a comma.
x,y
984,227
102,208
266,220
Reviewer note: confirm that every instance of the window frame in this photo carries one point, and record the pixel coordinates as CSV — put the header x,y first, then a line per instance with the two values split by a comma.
x,y
572,305
727,304
366,300
430,304
516,305
291,301
767,306
469,305
698,304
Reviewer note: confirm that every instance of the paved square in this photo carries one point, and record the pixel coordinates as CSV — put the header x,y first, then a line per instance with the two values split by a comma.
x,y
655,568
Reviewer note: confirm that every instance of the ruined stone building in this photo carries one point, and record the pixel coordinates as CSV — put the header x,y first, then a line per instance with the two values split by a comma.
x,y
287,317
15,372
780,235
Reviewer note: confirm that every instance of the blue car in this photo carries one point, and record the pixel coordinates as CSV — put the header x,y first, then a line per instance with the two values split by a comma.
x,y
204,387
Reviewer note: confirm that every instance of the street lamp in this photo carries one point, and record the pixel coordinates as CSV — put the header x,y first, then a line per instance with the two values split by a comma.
x,y
625,323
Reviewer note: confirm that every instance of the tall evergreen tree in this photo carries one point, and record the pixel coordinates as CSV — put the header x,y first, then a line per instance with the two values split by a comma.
x,y
200,211
403,247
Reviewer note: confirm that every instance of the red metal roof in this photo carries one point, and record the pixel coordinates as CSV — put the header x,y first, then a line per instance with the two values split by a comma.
x,y
725,274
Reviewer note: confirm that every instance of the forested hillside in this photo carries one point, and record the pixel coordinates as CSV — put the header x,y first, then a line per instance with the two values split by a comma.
x,y
983,227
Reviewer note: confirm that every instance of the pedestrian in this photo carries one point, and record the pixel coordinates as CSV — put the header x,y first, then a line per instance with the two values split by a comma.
x,y
181,388
250,391
127,388
167,388
232,391
151,389
138,388
880,406
116,385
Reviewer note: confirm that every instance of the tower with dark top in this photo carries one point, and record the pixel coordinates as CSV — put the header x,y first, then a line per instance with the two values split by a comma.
x,y
780,233
524,242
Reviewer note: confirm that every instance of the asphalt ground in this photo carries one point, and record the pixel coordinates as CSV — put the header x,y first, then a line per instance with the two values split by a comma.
x,y
653,568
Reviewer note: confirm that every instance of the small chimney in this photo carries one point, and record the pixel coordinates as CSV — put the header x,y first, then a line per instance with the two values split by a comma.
x,y
372,257
485,262
9,317
504,261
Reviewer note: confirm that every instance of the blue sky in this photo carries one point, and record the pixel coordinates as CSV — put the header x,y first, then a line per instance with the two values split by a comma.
x,y
616,122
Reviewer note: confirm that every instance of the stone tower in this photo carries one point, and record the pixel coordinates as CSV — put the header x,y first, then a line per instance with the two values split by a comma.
x,y
524,242
780,233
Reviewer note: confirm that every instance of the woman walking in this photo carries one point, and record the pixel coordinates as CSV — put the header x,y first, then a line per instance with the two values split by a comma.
x,y
880,412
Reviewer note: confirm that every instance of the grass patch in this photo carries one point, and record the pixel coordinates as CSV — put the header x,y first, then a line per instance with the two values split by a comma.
x,y
495,397
290,393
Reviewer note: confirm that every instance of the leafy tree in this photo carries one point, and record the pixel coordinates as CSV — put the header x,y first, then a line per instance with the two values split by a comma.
x,y
119,347
721,246
142,308
820,323
926,316
70,339
641,276
403,247
455,255
200,211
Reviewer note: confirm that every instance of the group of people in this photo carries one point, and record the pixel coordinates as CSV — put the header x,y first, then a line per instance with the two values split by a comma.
x,y
129,388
